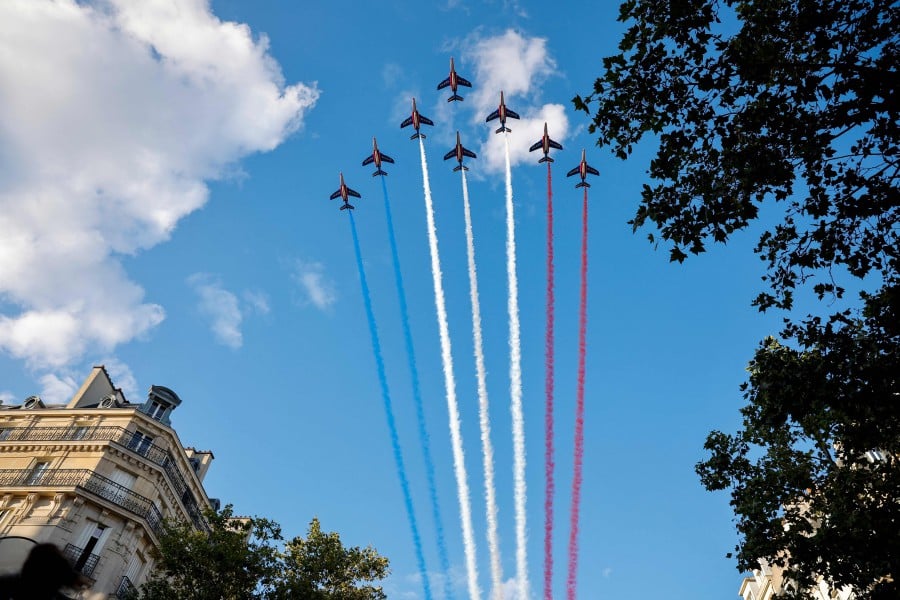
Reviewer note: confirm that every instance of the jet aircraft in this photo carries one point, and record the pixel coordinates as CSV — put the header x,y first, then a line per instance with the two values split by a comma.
x,y
545,143
502,113
416,120
453,81
344,192
583,169
377,157
459,152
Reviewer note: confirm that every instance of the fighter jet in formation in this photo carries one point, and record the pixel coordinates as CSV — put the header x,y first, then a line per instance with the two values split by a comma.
x,y
377,157
502,113
416,120
545,143
583,170
344,192
459,152
453,81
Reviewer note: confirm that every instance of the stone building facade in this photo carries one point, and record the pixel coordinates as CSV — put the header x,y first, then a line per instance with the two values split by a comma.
x,y
96,477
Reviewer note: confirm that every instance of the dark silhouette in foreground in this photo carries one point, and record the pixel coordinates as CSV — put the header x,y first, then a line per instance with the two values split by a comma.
x,y
43,574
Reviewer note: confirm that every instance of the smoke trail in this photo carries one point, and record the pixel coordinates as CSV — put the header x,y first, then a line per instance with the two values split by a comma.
x,y
417,397
490,494
515,388
579,410
389,412
459,462
548,393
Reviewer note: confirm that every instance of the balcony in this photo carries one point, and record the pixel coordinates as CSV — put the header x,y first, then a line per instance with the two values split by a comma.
x,y
126,589
132,440
83,563
89,481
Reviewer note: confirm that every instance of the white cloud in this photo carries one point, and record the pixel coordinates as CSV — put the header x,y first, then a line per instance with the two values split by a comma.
x,y
122,377
7,397
115,113
221,307
516,65
510,589
257,302
58,389
317,289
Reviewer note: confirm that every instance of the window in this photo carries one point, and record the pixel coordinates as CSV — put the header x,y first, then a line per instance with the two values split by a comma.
x,y
140,442
79,432
90,542
37,473
5,433
157,410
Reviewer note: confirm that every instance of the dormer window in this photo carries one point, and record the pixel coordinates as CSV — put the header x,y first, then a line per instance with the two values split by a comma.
x,y
156,410
160,403
33,402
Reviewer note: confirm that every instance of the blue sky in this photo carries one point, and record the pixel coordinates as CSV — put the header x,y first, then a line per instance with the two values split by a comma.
x,y
165,170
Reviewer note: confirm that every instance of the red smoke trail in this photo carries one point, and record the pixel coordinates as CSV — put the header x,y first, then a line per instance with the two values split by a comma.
x,y
548,392
579,409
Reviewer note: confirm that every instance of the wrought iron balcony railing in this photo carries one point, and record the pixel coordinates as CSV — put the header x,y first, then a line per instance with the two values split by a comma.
x,y
84,564
126,589
134,441
89,481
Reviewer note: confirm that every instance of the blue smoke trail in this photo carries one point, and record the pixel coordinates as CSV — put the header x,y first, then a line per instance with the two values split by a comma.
x,y
389,412
417,397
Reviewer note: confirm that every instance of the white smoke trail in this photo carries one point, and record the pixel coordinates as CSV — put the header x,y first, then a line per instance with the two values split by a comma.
x,y
484,418
515,389
459,462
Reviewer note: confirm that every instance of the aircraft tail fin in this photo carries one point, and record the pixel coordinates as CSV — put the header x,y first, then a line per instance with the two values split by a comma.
x,y
417,135
502,129
460,168
455,97
346,206
582,184
545,159
379,172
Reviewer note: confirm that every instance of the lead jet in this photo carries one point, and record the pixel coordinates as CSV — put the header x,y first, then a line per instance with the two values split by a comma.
x,y
416,120
344,192
502,113
459,152
583,169
377,157
545,143
453,81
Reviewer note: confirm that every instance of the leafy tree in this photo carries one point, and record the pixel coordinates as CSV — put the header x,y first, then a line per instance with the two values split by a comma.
x,y
814,472
790,104
792,101
320,568
236,560
243,558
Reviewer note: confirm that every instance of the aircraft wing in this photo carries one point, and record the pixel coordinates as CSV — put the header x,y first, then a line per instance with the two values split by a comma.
x,y
425,120
406,123
464,82
386,158
574,171
335,195
536,145
469,153
353,193
556,145
369,160
450,154
494,115
512,114
591,170
443,84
